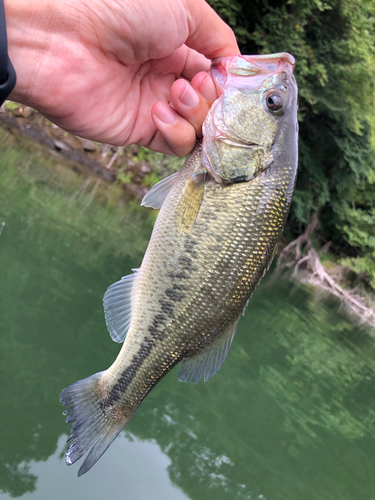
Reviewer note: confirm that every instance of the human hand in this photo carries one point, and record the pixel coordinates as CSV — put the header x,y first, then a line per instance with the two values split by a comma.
x,y
107,69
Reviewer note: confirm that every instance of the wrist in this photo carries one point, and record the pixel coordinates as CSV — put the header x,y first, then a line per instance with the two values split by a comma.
x,y
29,31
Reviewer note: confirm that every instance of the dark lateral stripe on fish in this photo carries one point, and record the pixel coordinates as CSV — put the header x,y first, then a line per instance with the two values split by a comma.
x,y
174,295
189,247
186,262
129,374
167,308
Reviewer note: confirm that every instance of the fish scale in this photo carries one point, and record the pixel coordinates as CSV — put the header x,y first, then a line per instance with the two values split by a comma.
x,y
214,238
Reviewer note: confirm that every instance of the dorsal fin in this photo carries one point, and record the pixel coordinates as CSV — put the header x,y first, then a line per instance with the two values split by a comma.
x,y
157,194
117,303
209,361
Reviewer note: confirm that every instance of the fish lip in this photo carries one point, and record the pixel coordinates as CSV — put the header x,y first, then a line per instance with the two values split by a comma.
x,y
284,57
257,60
237,69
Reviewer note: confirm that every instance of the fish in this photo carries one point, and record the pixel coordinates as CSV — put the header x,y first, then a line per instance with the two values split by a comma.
x,y
221,217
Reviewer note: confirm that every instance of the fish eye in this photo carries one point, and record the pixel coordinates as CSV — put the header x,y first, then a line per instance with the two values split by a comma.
x,y
274,102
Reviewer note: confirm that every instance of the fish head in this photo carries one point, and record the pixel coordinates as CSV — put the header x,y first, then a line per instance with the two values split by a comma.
x,y
254,118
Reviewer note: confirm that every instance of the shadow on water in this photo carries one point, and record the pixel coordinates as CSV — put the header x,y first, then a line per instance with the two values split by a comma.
x,y
290,414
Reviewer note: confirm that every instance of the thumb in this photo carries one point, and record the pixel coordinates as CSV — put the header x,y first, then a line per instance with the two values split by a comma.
x,y
208,33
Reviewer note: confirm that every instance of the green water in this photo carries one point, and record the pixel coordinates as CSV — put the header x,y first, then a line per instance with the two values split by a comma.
x,y
290,415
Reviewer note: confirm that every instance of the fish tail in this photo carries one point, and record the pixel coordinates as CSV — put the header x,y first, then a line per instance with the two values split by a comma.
x,y
92,427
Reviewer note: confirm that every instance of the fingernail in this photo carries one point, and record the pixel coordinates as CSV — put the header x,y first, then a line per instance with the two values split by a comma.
x,y
208,90
165,113
189,97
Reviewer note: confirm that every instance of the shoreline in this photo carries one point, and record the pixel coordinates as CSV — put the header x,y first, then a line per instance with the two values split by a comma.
x,y
110,163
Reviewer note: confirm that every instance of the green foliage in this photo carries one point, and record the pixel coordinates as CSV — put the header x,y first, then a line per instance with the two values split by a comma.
x,y
151,179
359,229
124,177
11,105
333,43
142,154
161,164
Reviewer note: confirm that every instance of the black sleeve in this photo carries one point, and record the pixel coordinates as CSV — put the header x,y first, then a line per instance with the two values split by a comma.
x,y
7,73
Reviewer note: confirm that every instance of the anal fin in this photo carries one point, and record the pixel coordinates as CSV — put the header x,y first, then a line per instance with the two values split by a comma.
x,y
207,362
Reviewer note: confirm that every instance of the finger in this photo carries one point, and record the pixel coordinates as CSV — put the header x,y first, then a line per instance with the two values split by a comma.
x,y
194,63
208,34
189,104
175,135
177,131
204,84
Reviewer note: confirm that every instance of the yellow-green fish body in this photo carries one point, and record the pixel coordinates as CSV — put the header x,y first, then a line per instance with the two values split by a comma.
x,y
217,231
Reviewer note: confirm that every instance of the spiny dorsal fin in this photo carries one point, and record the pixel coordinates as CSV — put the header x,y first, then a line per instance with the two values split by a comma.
x,y
209,361
117,303
157,194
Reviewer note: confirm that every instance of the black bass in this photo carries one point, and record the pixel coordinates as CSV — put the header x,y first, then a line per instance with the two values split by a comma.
x,y
216,234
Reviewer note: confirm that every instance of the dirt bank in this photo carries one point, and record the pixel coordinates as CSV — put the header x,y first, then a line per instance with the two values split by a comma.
x,y
133,167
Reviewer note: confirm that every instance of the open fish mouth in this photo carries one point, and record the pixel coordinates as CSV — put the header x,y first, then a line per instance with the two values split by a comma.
x,y
249,65
227,70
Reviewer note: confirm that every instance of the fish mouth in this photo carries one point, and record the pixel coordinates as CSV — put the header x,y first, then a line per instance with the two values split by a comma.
x,y
236,70
240,65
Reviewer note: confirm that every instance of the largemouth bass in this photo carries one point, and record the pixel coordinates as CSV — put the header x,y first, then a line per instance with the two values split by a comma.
x,y
216,234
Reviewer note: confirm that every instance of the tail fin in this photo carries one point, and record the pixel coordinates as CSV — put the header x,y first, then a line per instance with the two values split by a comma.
x,y
91,428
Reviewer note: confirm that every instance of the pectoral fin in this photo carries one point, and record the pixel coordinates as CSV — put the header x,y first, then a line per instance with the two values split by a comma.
x,y
189,205
157,194
208,362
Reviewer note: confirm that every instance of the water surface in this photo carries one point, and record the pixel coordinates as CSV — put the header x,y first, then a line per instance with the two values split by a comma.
x,y
290,415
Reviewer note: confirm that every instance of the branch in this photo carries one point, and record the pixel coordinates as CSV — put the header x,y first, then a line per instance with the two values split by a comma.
x,y
302,255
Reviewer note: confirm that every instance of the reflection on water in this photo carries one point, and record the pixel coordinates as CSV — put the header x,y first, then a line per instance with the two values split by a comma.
x,y
290,415
135,469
